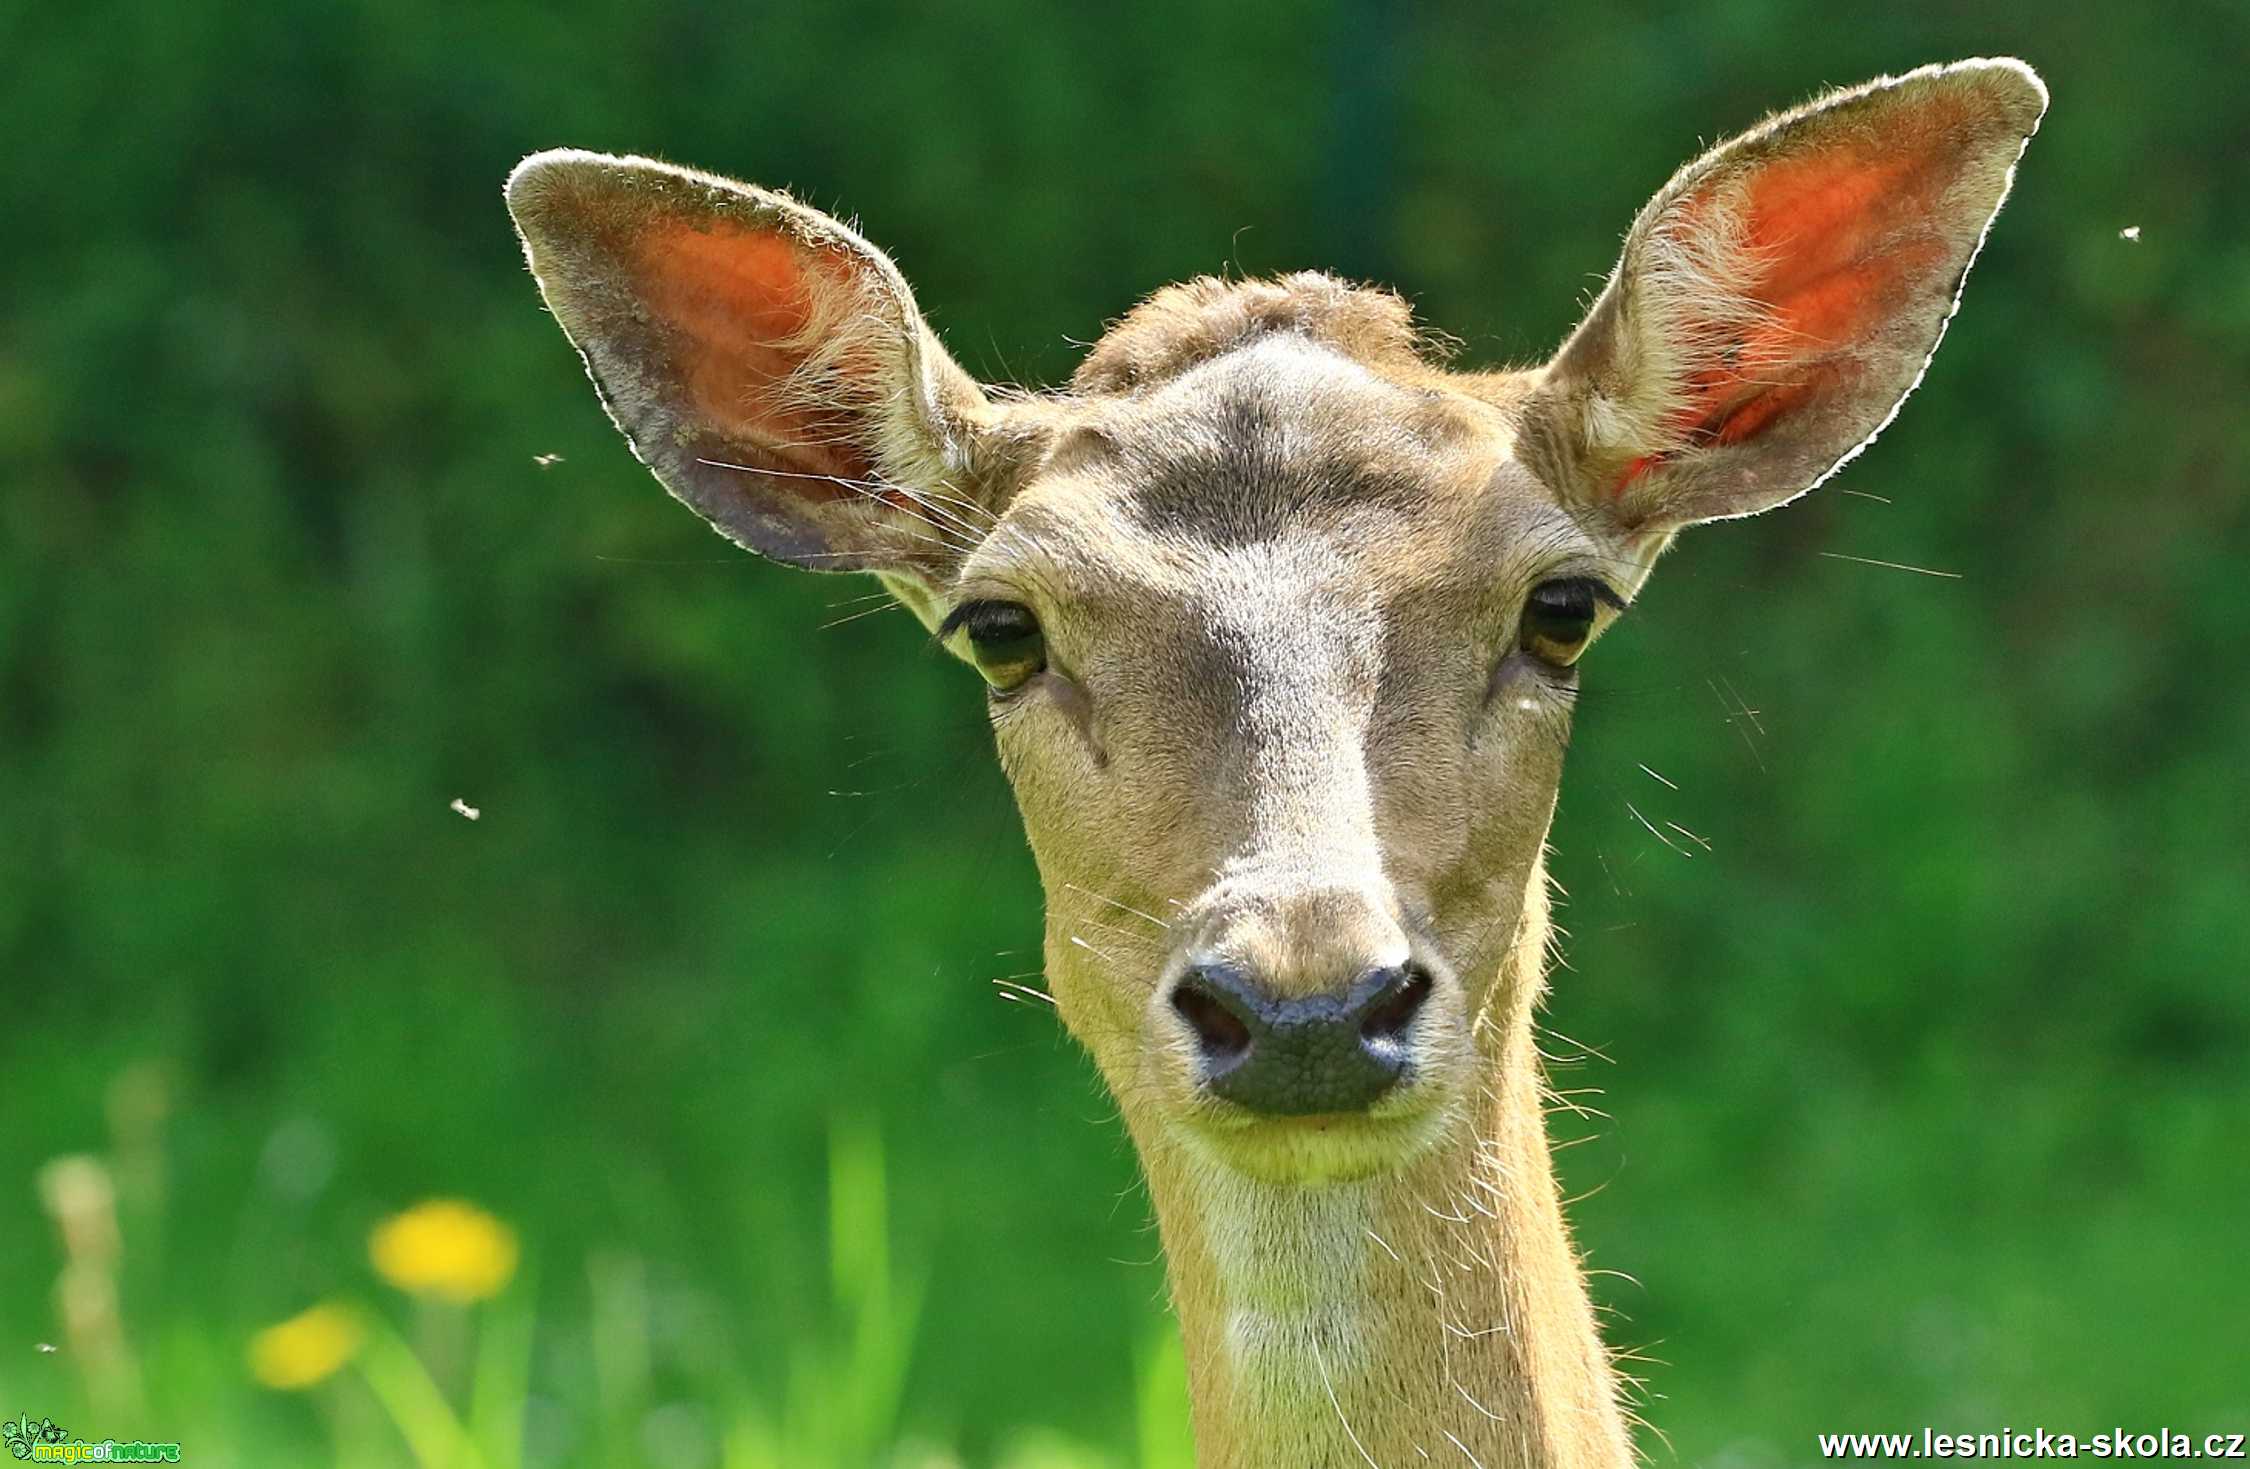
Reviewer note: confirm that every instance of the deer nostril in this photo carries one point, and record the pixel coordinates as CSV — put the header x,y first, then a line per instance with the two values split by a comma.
x,y
1224,1035
1397,1004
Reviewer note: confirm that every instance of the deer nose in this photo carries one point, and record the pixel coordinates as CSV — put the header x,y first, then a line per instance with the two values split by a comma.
x,y
1294,1057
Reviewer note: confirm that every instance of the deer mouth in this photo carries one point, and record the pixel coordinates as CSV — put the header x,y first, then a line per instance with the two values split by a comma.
x,y
1319,1149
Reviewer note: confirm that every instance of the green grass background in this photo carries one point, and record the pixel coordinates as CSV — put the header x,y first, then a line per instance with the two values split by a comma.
x,y
1929,1098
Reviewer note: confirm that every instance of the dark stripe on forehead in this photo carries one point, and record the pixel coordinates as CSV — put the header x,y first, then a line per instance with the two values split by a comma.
x,y
1259,454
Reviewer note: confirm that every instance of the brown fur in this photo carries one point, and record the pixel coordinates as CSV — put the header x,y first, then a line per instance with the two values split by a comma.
x,y
1279,556
1198,320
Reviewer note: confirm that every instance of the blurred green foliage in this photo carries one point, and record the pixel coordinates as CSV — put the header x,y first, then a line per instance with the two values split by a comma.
x,y
1930,1097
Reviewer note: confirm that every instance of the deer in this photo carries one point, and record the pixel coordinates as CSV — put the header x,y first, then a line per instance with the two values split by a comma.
x,y
1281,619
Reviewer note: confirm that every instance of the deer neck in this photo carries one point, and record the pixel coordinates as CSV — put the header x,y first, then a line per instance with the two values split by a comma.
x,y
1435,1315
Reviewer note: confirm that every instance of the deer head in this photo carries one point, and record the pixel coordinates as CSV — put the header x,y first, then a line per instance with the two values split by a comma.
x,y
1281,621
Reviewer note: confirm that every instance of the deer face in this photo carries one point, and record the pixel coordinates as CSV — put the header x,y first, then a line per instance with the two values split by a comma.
x,y
1280,622
1281,663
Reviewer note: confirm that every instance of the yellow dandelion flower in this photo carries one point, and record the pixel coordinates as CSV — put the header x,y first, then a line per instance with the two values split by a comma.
x,y
306,1348
445,1248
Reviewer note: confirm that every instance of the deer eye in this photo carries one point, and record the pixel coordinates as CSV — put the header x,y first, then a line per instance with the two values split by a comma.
x,y
1004,641
1558,618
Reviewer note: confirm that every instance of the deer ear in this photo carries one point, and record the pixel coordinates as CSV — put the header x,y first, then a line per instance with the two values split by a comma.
x,y
765,361
1778,300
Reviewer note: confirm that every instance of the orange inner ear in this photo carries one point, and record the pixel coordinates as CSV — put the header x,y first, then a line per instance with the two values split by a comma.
x,y
738,302
1839,244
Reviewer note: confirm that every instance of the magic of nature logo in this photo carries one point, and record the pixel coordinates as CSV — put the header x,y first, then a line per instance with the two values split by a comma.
x,y
48,1442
